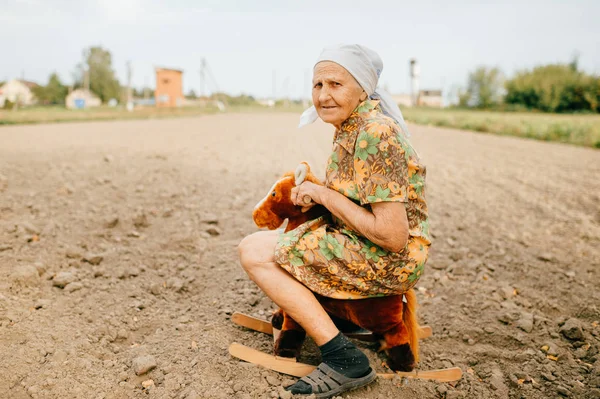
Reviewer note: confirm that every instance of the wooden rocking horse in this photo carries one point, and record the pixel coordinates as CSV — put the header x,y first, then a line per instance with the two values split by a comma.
x,y
391,320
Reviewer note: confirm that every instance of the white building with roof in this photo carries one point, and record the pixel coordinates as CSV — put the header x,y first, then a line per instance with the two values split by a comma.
x,y
18,91
82,98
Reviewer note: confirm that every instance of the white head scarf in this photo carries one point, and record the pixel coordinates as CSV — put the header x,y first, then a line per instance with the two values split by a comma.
x,y
366,66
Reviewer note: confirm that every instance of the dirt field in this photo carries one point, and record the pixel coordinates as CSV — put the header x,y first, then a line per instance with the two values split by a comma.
x,y
118,242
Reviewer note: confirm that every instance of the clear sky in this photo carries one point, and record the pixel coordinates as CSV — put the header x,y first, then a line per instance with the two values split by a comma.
x,y
245,41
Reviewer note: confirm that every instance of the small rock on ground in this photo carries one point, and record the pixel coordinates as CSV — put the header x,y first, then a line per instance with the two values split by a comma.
x,y
73,287
94,259
62,279
572,330
143,364
525,323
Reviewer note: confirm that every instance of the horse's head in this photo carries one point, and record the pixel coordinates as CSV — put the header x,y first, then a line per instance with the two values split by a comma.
x,y
277,206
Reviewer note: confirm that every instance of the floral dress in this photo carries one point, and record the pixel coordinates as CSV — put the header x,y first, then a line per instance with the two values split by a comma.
x,y
372,161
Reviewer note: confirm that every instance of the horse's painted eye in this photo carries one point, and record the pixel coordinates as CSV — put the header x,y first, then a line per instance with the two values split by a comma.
x,y
273,194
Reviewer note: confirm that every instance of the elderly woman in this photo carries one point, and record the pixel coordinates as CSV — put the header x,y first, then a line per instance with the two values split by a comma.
x,y
376,241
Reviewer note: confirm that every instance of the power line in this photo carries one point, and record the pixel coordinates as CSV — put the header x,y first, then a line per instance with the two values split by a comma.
x,y
205,75
212,78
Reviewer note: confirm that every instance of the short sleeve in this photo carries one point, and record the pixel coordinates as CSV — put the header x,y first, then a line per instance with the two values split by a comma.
x,y
381,168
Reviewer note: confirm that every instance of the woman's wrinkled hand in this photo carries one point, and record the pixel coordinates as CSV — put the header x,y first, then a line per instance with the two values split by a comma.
x,y
307,195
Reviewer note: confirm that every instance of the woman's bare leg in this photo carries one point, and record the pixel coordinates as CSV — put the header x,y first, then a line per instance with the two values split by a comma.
x,y
256,256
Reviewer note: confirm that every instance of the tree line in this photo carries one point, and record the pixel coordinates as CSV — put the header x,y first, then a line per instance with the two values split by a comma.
x,y
556,88
547,88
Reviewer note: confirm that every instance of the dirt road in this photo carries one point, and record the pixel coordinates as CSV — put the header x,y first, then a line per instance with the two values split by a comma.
x,y
118,253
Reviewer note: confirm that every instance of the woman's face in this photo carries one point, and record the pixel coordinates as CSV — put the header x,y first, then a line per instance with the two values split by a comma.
x,y
335,92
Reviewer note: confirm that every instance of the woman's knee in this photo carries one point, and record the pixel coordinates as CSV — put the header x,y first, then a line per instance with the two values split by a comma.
x,y
245,251
257,250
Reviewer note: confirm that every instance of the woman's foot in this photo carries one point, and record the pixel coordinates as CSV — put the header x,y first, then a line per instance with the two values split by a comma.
x,y
325,382
346,368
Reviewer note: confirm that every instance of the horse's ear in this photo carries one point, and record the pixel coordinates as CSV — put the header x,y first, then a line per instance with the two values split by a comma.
x,y
301,172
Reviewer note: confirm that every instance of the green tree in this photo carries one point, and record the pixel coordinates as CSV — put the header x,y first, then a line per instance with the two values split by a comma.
x,y
555,88
53,93
463,98
484,88
102,79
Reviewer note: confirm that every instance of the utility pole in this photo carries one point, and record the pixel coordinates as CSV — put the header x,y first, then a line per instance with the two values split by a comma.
x,y
85,71
274,85
444,92
202,76
129,103
415,73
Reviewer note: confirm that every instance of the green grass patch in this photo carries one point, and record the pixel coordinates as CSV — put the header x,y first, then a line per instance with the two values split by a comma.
x,y
36,115
578,129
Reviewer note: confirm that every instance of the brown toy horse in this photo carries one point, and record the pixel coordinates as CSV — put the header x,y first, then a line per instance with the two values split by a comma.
x,y
391,320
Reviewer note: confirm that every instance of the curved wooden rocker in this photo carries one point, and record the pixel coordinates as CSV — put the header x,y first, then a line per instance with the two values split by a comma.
x,y
300,369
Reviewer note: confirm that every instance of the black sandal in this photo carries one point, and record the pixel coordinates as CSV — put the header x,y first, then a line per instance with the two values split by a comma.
x,y
326,382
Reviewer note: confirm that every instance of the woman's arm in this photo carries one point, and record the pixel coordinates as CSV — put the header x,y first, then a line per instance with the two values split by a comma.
x,y
386,226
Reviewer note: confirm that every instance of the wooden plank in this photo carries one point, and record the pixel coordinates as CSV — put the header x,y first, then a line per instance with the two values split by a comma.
x,y
269,361
252,323
300,369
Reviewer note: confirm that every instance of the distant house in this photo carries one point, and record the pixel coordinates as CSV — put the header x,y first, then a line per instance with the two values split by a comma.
x,y
82,98
18,91
431,98
426,98
169,88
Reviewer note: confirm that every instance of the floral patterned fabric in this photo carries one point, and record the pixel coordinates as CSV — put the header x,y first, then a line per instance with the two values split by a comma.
x,y
372,161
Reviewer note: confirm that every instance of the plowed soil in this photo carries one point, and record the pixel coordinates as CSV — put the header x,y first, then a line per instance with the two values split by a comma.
x,y
118,254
